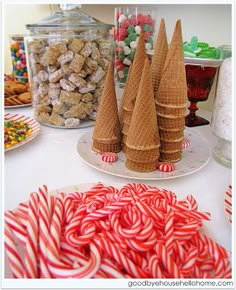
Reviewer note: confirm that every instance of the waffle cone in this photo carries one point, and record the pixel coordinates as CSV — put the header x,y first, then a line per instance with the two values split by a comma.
x,y
106,147
172,89
124,138
171,111
124,97
143,156
136,73
171,135
170,123
127,117
159,57
124,148
172,145
107,126
125,129
143,131
170,156
140,167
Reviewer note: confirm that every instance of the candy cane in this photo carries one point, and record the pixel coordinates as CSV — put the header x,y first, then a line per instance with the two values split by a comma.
x,y
190,260
31,247
111,270
169,231
114,252
154,268
193,214
15,261
124,232
44,224
168,262
16,226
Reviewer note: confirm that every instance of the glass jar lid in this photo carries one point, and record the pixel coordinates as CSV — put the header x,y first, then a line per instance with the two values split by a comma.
x,y
70,17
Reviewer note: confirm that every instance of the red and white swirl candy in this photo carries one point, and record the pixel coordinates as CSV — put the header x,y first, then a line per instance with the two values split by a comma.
x,y
109,157
186,143
165,166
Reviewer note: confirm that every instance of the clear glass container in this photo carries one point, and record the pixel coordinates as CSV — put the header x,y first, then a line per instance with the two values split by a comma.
x,y
129,22
221,123
68,55
225,51
18,56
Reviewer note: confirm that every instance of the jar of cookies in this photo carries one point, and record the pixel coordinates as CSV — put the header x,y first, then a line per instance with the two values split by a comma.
x,y
68,55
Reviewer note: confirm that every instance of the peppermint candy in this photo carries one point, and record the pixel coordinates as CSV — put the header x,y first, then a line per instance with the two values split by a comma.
x,y
185,143
165,166
109,157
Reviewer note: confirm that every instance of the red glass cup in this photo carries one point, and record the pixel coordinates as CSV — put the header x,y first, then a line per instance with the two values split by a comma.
x,y
200,75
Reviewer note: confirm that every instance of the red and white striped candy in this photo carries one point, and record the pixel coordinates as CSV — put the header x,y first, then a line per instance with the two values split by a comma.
x,y
15,261
109,157
31,247
165,166
136,232
186,143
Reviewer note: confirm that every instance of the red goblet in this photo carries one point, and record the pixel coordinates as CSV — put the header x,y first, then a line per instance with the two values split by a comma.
x,y
200,74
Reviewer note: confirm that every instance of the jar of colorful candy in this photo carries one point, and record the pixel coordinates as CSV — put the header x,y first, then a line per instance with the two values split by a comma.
x,y
129,22
18,56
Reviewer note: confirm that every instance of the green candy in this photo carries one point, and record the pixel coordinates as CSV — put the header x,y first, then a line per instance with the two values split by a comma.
x,y
130,29
127,41
117,24
203,45
121,55
130,56
198,50
194,43
147,28
150,40
187,47
123,80
132,36
189,54
207,54
126,70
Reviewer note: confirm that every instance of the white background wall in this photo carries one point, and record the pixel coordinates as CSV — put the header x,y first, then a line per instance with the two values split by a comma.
x,y
210,22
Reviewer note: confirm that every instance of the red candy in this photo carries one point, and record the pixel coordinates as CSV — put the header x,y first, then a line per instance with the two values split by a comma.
x,y
185,143
124,24
140,18
148,19
137,231
109,157
165,166
133,21
146,35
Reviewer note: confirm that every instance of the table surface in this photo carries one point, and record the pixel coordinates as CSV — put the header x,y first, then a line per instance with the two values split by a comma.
x,y
52,159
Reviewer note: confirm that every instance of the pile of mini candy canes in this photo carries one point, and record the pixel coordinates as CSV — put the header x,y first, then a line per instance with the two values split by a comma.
x,y
138,231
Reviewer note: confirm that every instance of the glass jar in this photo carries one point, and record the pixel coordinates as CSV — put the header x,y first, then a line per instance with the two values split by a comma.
x,y
221,123
129,22
68,55
225,51
18,57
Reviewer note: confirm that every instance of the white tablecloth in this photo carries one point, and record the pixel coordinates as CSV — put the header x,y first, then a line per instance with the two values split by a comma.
x,y
52,159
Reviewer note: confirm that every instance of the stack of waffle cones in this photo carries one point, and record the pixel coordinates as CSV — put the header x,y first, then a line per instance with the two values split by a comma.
x,y
125,115
142,143
132,88
171,99
107,133
159,57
